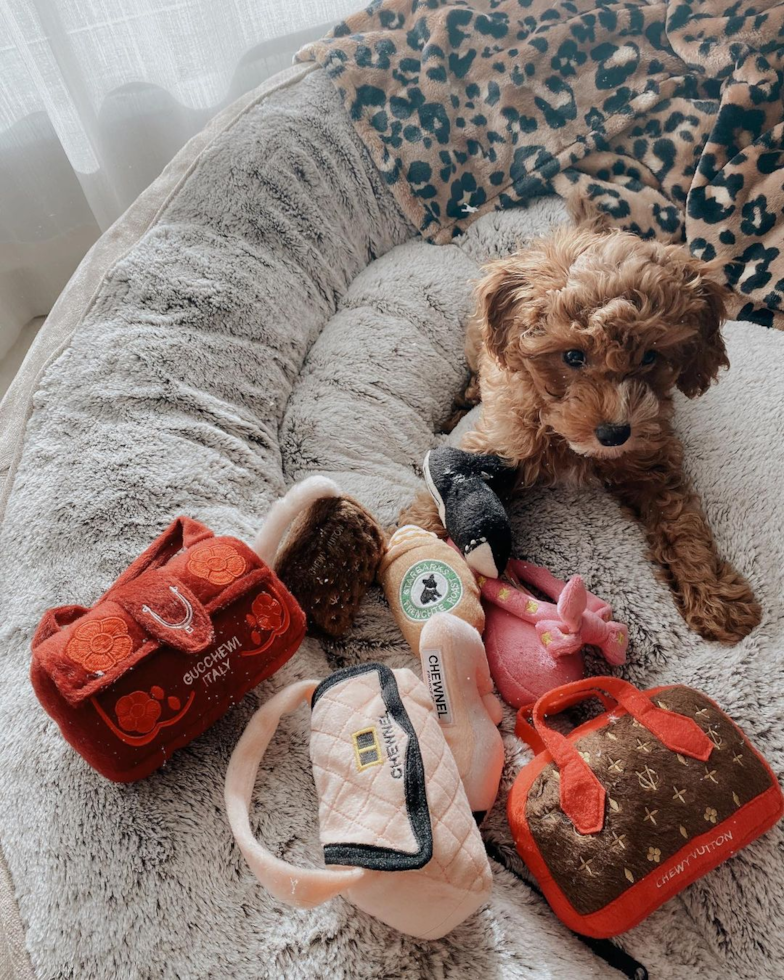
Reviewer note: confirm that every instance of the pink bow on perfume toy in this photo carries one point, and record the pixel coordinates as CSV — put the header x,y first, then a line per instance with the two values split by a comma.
x,y
534,644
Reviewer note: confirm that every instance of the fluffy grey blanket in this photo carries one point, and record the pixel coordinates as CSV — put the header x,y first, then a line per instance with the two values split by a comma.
x,y
237,348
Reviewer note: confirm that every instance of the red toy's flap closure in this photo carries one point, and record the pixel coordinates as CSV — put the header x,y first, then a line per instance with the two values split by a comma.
x,y
182,533
167,610
94,651
167,597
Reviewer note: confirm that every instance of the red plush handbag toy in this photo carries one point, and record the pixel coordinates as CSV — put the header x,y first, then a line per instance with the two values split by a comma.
x,y
631,807
191,626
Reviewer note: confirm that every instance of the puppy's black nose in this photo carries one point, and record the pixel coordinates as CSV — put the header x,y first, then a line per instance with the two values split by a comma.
x,y
612,435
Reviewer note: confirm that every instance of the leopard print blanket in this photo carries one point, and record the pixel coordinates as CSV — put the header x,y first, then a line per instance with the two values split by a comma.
x,y
667,115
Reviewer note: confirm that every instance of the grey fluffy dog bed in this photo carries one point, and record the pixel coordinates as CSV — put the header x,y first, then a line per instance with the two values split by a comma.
x,y
264,313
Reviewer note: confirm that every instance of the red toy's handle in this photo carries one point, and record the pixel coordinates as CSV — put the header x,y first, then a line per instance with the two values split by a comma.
x,y
582,795
183,532
54,620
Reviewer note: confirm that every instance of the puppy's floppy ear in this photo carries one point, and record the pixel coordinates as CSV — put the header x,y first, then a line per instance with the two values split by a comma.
x,y
499,293
586,214
706,354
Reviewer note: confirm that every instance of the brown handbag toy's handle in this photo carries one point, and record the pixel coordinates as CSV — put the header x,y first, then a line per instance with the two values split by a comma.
x,y
582,795
526,732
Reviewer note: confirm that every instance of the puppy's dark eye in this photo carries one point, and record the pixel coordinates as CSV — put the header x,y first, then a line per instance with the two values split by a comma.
x,y
574,358
649,357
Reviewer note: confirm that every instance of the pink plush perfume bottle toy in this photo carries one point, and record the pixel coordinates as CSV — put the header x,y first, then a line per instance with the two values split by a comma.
x,y
533,644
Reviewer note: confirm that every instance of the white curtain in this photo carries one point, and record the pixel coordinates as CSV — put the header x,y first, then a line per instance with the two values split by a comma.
x,y
96,96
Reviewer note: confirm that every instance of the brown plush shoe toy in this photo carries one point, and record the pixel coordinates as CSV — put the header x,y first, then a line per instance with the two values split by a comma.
x,y
330,554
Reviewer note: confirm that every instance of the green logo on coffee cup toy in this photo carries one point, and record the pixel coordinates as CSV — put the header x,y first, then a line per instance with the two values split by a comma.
x,y
429,587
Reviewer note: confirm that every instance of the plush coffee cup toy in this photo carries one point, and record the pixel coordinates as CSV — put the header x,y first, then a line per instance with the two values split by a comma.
x,y
422,575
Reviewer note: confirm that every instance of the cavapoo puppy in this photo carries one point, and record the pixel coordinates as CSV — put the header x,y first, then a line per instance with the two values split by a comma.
x,y
577,345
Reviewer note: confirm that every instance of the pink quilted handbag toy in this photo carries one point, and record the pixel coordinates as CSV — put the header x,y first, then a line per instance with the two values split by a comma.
x,y
534,645
398,837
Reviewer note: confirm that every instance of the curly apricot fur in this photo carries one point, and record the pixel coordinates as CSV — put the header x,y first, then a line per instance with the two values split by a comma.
x,y
613,297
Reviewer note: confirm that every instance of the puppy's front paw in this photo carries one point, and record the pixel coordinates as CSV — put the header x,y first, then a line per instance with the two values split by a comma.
x,y
721,608
423,512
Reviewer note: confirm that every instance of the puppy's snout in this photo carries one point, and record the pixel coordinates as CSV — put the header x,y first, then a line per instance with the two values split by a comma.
x,y
609,434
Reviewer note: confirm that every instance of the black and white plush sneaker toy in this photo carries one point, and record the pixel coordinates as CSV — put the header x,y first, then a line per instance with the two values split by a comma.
x,y
464,487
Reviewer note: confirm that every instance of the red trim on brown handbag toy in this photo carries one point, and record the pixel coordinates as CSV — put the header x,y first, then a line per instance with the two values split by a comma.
x,y
582,795
525,731
668,809
189,627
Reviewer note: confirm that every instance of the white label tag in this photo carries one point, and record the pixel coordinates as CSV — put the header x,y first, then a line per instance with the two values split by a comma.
x,y
433,667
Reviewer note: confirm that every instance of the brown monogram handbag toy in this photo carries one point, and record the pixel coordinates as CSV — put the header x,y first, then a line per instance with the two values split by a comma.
x,y
631,807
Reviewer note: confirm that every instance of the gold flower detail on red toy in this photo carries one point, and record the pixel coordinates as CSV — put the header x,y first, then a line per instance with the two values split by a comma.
x,y
100,643
138,712
266,614
218,563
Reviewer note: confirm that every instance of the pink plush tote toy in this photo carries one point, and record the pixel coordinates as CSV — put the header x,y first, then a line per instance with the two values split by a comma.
x,y
534,645
398,837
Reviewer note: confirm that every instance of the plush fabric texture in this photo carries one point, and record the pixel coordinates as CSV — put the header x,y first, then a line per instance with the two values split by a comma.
x,y
454,667
668,115
673,806
536,627
393,813
422,576
237,349
391,800
463,486
193,624
329,559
